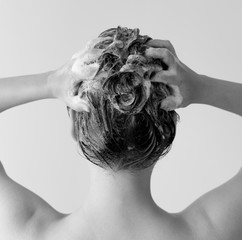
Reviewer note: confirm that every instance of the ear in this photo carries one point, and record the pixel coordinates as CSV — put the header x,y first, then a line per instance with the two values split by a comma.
x,y
72,115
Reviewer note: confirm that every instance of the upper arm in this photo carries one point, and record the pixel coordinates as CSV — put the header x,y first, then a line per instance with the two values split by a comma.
x,y
222,208
15,201
18,205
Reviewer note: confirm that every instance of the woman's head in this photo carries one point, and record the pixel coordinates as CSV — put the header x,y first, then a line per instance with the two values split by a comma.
x,y
126,129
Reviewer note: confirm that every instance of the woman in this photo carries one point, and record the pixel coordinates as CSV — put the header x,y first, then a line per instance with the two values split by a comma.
x,y
120,205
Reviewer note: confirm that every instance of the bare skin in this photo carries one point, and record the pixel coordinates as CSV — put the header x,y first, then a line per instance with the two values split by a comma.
x,y
120,205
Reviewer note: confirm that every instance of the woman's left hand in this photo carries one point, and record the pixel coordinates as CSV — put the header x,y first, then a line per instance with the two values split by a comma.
x,y
182,79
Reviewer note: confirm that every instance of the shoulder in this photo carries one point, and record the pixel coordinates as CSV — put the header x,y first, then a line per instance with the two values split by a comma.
x,y
2,170
219,211
21,208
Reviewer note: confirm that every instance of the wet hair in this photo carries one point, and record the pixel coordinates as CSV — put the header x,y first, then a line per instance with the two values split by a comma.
x,y
126,129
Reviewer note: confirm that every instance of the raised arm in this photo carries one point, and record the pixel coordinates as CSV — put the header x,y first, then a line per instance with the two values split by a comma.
x,y
60,84
194,87
219,93
23,89
218,212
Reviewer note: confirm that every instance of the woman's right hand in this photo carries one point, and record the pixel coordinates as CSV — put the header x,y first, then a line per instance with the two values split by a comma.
x,y
178,76
66,80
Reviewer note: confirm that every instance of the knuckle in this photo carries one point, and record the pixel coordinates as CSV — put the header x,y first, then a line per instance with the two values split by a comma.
x,y
168,42
170,46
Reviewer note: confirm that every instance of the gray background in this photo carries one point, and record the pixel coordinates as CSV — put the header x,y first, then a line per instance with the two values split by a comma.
x,y
36,147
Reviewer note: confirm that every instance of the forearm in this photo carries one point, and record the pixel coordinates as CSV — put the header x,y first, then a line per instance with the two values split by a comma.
x,y
220,93
23,89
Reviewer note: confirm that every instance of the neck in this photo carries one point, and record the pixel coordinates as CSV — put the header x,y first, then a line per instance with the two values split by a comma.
x,y
119,191
116,201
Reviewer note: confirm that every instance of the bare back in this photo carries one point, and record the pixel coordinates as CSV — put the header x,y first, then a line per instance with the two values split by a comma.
x,y
215,215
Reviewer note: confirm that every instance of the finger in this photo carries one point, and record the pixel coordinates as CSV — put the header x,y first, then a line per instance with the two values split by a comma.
x,y
161,53
157,43
78,104
164,77
173,101
168,104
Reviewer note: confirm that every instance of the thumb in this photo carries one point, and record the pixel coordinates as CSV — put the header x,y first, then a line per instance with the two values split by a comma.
x,y
78,104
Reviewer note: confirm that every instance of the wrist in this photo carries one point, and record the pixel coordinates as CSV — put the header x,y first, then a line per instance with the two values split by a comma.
x,y
200,89
192,86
